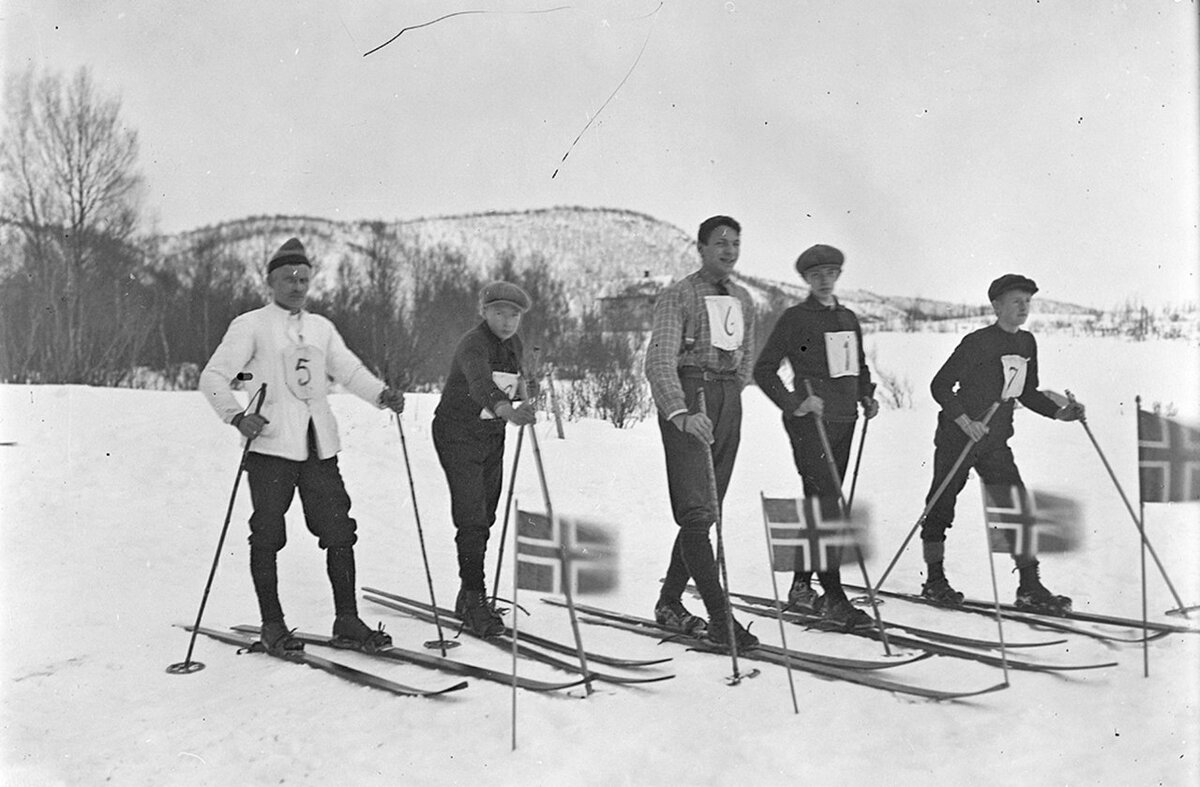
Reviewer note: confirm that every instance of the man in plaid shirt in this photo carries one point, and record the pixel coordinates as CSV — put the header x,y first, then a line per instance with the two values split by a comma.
x,y
702,339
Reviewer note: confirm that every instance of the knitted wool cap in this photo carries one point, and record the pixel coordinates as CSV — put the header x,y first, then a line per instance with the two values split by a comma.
x,y
503,292
819,255
290,253
1011,281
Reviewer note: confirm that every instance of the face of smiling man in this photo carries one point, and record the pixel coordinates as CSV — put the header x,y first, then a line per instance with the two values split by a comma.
x,y
720,254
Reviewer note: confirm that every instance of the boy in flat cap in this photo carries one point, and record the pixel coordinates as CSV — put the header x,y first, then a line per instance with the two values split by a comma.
x,y
479,398
295,353
822,341
702,340
996,364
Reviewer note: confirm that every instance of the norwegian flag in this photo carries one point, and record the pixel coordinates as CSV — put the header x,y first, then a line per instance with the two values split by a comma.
x,y
1023,522
811,533
1168,459
581,550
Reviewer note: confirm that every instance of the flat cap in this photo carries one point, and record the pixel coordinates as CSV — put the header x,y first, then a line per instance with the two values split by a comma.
x,y
1011,281
504,292
818,255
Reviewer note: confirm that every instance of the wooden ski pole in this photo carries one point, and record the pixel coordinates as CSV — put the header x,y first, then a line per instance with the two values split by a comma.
x,y
1136,521
962,457
558,426
837,484
512,483
441,642
862,440
995,586
711,474
187,666
565,557
515,647
787,658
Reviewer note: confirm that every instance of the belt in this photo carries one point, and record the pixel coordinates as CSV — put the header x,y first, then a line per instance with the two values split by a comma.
x,y
700,373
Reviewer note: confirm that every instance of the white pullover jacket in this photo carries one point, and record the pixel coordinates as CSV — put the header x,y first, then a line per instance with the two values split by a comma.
x,y
296,355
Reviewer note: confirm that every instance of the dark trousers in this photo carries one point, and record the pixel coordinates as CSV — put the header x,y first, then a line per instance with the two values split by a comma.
x,y
813,467
809,454
991,458
473,460
691,497
273,483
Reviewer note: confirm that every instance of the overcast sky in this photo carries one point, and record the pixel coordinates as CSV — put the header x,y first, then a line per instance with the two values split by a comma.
x,y
938,143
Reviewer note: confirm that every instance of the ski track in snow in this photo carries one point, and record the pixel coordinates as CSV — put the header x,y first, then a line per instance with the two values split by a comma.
x,y
111,503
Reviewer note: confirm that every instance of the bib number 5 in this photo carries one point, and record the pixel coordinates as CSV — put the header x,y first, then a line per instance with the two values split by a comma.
x,y
305,372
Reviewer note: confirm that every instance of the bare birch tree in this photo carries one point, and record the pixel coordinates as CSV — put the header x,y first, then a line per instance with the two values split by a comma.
x,y
69,203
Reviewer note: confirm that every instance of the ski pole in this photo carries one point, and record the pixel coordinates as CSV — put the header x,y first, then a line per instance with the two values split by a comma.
x,y
837,484
564,554
711,474
787,658
962,457
1136,521
187,666
512,481
995,589
862,439
441,642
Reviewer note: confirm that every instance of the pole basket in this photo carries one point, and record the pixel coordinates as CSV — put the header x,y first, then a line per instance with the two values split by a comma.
x,y
185,667
442,644
735,679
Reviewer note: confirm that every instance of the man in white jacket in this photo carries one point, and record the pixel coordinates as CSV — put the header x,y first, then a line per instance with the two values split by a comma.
x,y
296,354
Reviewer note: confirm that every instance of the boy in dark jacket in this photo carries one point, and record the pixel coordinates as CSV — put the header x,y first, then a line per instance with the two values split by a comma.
x,y
822,341
468,432
996,364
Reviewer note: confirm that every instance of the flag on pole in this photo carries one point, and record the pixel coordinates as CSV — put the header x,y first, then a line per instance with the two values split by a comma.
x,y
1168,459
1023,522
583,551
811,533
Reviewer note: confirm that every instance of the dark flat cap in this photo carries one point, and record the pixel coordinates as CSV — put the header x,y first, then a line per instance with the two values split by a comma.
x,y
1011,281
820,254
504,292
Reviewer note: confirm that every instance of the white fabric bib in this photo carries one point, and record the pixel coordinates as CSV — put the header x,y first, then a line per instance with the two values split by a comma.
x,y
304,368
841,353
726,326
1015,368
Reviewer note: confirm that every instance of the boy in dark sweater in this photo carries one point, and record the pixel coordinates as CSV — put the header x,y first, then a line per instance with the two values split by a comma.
x,y
996,364
468,432
822,341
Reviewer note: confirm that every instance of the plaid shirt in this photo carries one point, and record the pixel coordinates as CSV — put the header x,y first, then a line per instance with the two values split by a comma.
x,y
680,313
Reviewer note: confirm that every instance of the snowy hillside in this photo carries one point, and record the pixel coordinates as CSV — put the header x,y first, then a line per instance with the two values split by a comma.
x,y
111,502
588,249
585,247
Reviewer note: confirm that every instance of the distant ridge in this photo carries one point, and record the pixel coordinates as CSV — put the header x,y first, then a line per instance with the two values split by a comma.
x,y
589,249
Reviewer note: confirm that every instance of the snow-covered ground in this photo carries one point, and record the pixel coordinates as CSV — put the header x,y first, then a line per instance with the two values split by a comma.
x,y
112,502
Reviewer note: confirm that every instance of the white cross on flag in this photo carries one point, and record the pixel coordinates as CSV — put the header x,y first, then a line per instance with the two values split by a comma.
x,y
1023,522
582,550
811,533
1168,459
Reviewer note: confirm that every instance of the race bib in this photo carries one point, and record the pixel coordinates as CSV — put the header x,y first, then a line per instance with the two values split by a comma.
x,y
841,353
725,323
305,371
505,381
1014,367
